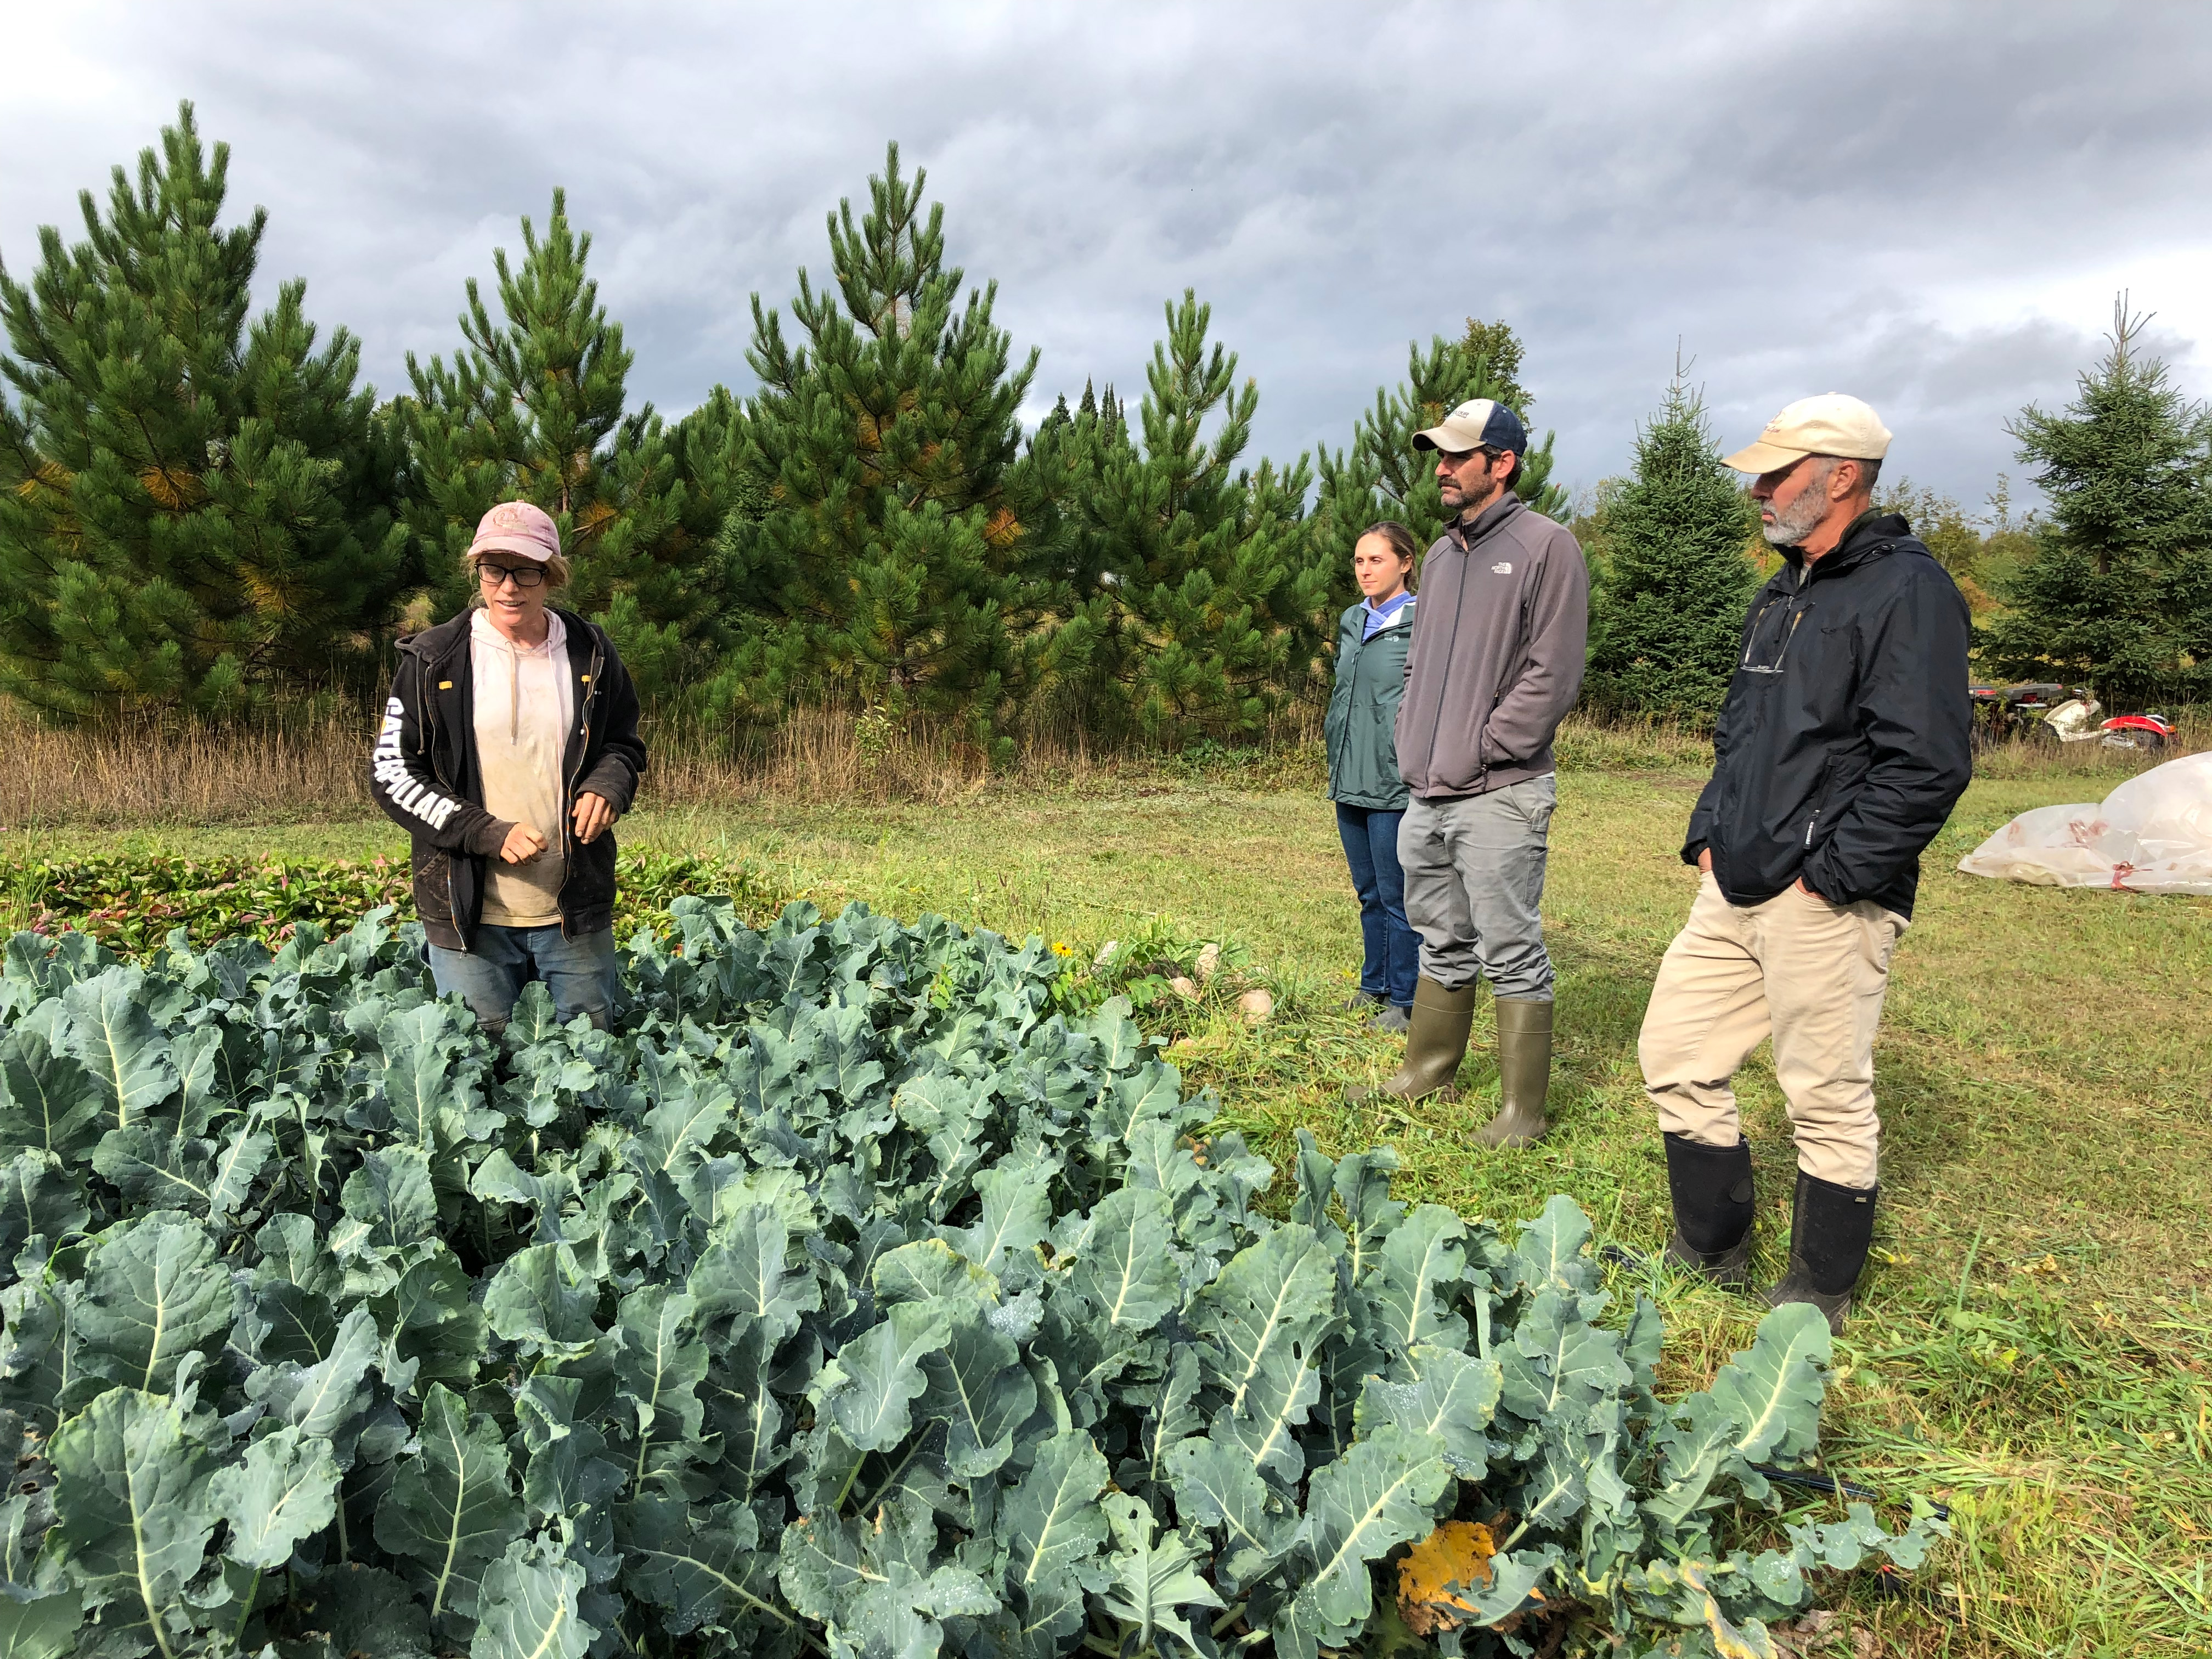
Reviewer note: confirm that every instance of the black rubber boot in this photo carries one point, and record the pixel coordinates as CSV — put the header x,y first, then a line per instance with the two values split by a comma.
x,y
1524,1073
1830,1233
1713,1209
1435,1043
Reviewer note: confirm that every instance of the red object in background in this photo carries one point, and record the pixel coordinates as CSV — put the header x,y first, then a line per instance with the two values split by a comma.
x,y
2145,732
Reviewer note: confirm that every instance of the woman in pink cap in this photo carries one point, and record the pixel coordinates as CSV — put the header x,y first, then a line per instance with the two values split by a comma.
x,y
509,748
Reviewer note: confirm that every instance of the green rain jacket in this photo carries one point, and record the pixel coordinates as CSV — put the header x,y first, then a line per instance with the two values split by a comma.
x,y
1363,711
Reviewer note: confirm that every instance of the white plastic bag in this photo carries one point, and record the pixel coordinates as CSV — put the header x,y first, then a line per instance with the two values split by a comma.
x,y
2152,835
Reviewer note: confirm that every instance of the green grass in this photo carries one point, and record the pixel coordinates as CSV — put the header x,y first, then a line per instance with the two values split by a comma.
x,y
2035,1339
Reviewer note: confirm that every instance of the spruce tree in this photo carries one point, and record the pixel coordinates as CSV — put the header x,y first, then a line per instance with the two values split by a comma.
x,y
2115,593
194,512
899,562
1201,609
1673,541
532,408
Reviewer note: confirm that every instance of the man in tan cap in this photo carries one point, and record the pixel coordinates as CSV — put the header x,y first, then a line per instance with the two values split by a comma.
x,y
1838,754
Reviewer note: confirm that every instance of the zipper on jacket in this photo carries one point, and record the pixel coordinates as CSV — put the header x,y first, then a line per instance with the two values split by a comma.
x,y
569,795
426,723
1459,609
461,928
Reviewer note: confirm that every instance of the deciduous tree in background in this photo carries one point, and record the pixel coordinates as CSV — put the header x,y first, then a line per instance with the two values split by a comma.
x,y
1498,345
531,408
194,514
1675,574
2118,592
905,545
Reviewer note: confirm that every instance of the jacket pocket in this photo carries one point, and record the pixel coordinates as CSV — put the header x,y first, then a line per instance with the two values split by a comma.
x,y
591,878
432,884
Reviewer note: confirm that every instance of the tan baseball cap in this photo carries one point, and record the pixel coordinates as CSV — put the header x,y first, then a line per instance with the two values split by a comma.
x,y
1833,423
517,528
1478,423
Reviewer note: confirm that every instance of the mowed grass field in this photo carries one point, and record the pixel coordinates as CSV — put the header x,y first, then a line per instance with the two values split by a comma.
x,y
2034,1340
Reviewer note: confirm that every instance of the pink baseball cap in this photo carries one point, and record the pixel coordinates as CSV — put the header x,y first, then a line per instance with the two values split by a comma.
x,y
517,528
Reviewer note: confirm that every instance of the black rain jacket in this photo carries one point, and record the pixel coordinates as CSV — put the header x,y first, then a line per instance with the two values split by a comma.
x,y
424,773
1843,744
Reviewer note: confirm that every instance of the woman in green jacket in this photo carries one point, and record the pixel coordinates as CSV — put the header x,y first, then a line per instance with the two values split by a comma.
x,y
1363,765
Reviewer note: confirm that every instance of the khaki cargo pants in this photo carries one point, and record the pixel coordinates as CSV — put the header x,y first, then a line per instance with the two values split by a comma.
x,y
1810,973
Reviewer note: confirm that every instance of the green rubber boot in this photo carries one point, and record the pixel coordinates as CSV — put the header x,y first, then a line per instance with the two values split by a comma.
x,y
1435,1043
1524,1073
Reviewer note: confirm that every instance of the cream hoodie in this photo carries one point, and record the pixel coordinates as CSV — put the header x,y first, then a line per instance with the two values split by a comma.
x,y
524,708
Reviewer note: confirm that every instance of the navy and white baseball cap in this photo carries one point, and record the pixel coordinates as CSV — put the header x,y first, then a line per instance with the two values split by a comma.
x,y
1478,423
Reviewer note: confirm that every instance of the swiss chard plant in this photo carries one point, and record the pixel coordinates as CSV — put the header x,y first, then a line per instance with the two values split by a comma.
x,y
850,1297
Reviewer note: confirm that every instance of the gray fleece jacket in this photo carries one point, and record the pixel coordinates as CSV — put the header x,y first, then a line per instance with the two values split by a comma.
x,y
1497,654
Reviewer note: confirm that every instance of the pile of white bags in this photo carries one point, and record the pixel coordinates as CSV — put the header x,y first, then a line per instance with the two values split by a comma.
x,y
2152,835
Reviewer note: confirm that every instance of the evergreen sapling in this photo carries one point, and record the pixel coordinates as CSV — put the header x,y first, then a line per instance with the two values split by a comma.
x,y
2118,590
1674,571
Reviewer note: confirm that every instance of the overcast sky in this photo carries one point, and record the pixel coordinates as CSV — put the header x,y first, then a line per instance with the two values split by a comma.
x,y
1930,206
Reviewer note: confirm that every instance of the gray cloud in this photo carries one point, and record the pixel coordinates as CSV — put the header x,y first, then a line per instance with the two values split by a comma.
x,y
1928,205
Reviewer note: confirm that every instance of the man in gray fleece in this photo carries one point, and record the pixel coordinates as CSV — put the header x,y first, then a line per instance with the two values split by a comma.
x,y
1496,662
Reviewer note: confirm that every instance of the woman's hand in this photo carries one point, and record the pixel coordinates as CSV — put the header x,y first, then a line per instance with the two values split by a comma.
x,y
594,814
522,844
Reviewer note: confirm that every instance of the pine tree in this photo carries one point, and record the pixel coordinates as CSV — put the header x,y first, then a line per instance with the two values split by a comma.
x,y
1381,475
1201,609
1673,540
2114,593
193,512
532,409
900,560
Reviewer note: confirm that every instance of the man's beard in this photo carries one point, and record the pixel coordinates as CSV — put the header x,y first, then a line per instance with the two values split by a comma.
x,y
1796,521
1469,503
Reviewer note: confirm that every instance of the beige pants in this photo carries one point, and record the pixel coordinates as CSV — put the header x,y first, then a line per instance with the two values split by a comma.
x,y
1810,973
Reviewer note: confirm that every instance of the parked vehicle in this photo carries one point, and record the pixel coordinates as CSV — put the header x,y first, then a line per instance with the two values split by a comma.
x,y
2045,711
2002,712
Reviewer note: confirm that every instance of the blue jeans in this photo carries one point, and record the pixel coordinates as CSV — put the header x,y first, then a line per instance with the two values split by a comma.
x,y
1393,955
582,974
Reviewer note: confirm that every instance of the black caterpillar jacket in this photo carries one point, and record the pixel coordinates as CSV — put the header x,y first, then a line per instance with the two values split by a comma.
x,y
1843,744
424,773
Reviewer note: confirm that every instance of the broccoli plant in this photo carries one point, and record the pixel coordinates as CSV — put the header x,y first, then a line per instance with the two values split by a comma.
x,y
848,1297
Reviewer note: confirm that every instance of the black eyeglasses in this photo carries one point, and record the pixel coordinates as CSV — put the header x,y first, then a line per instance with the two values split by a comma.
x,y
522,575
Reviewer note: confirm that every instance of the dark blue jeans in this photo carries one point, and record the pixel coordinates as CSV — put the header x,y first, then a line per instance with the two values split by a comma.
x,y
1392,958
582,974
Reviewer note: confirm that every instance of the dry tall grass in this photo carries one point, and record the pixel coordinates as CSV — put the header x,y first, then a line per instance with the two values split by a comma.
x,y
153,774
292,771
159,773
